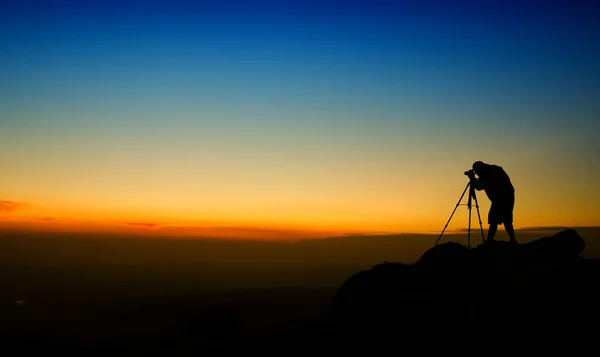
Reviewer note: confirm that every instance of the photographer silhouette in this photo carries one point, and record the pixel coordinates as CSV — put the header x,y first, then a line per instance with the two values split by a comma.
x,y
499,189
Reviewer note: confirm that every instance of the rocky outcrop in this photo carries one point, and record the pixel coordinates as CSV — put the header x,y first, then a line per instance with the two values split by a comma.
x,y
541,287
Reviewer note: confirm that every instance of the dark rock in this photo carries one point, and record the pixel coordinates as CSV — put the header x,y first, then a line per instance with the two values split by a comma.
x,y
543,286
566,244
449,255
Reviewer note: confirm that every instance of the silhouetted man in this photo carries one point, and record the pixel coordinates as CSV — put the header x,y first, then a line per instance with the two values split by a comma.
x,y
499,189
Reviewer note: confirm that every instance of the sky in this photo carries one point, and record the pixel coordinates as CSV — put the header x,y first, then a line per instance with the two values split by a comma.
x,y
294,118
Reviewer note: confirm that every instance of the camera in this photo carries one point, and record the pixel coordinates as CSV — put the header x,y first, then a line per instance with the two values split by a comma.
x,y
470,173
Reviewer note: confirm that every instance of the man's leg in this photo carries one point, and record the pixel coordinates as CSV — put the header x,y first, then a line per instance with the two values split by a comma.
x,y
508,218
492,231
492,221
511,231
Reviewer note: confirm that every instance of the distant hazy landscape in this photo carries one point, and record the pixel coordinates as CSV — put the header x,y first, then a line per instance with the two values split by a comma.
x,y
129,266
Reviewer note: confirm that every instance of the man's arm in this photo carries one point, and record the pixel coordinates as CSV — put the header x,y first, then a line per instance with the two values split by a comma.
x,y
477,184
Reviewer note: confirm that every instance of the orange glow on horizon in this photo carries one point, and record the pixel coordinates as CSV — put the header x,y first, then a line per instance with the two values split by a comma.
x,y
276,208
229,230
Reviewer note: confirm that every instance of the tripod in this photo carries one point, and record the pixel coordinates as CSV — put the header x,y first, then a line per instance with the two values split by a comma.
x,y
472,196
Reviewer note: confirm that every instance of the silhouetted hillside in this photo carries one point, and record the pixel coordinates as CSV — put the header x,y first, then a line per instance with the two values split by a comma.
x,y
539,293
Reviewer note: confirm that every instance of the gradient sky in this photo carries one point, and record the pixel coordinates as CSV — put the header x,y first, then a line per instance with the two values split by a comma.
x,y
304,115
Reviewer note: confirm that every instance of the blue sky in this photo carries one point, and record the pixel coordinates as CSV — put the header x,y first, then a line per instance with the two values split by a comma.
x,y
378,59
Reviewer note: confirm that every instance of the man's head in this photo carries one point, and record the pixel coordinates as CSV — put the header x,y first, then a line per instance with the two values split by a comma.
x,y
479,167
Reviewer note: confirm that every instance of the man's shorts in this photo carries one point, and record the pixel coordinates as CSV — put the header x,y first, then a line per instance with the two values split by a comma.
x,y
501,210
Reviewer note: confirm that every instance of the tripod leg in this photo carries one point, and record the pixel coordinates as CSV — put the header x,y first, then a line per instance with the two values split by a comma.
x,y
479,217
469,227
455,207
